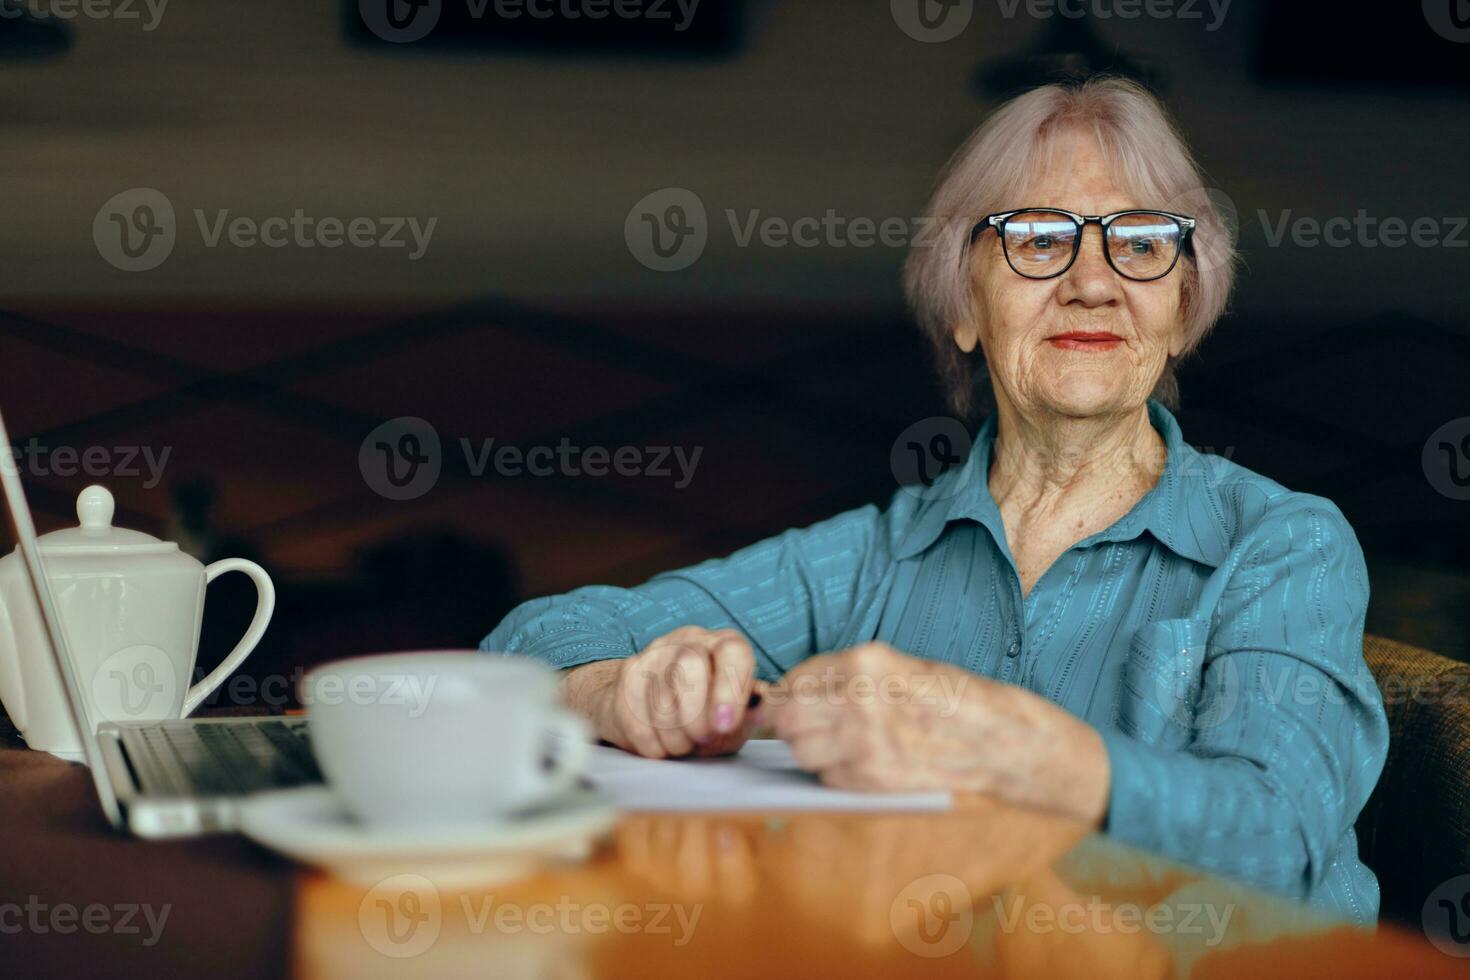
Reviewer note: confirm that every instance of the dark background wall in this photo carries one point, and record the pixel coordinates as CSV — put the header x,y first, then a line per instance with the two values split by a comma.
x,y
533,316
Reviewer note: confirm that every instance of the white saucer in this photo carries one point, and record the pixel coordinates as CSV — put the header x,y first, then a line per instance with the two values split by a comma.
x,y
310,825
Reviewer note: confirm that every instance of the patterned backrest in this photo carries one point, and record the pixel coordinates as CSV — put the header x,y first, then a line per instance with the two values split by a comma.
x,y
1415,831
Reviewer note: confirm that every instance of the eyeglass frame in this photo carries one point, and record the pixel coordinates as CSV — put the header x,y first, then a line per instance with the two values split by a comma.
x,y
999,218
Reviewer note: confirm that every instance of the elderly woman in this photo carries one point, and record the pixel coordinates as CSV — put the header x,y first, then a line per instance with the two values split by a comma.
x,y
1087,616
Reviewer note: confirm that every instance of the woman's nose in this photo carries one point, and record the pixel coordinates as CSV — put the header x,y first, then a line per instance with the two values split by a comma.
x,y
1091,281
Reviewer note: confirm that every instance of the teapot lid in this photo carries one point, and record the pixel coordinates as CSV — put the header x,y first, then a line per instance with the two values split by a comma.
x,y
95,533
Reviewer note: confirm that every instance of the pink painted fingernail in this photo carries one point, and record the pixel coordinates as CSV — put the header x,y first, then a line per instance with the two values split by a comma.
x,y
724,717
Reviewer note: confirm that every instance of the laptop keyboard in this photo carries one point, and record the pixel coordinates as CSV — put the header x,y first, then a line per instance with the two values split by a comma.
x,y
191,759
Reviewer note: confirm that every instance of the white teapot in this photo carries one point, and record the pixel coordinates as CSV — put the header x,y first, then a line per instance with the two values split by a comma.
x,y
131,607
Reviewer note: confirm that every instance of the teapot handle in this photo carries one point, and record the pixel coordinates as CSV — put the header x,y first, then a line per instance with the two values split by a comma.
x,y
265,605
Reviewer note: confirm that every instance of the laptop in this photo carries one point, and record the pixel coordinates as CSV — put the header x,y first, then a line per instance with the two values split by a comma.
x,y
169,778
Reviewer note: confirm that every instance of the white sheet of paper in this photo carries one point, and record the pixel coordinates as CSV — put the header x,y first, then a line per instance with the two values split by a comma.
x,y
763,776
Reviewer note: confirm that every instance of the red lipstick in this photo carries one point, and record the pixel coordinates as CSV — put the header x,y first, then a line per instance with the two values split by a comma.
x,y
1085,340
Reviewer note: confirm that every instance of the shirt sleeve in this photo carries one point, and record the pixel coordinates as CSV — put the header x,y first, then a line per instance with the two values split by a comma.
x,y
791,595
1288,734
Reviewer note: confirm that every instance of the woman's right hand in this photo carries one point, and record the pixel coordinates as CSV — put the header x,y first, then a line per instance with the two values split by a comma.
x,y
684,694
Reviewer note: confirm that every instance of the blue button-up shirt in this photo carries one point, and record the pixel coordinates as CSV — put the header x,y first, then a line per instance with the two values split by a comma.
x,y
1213,635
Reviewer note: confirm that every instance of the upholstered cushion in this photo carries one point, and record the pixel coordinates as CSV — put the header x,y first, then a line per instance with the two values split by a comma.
x,y
1415,831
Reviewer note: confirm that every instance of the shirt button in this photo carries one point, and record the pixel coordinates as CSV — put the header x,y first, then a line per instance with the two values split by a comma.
x,y
1014,649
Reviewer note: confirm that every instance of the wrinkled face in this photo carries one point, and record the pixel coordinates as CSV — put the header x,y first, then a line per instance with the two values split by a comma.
x,y
1122,331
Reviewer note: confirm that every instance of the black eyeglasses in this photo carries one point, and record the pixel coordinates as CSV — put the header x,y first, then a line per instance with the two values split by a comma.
x,y
1042,243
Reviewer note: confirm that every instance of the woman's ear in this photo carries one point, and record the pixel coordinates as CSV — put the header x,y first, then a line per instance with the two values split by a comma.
x,y
966,336
966,331
1176,341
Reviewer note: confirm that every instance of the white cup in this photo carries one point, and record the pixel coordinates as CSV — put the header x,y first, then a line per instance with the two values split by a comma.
x,y
409,738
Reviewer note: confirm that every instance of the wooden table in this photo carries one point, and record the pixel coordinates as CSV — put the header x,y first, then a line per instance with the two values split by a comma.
x,y
986,890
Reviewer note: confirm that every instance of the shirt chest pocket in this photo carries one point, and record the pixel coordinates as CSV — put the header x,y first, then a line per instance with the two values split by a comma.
x,y
1159,690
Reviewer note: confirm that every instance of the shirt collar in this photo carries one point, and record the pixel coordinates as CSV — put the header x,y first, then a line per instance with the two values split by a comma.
x,y
1183,510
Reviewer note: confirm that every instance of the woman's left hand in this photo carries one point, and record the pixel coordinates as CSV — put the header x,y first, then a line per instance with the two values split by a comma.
x,y
872,718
